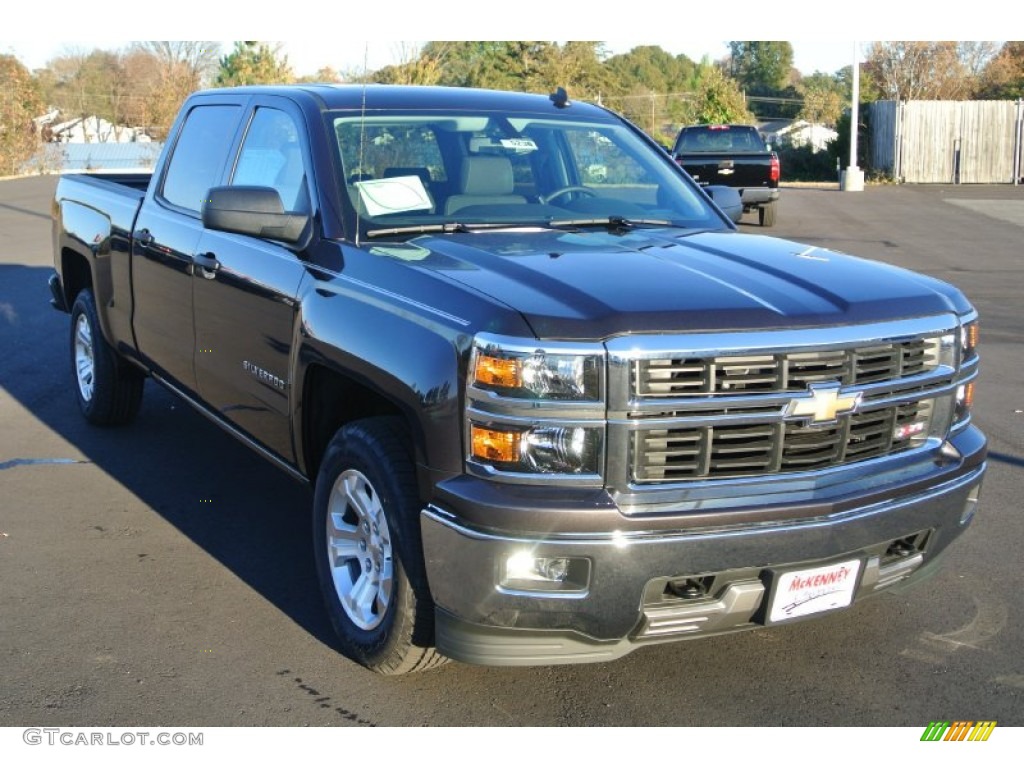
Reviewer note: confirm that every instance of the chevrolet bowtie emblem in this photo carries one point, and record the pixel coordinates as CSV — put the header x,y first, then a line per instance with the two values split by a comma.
x,y
824,404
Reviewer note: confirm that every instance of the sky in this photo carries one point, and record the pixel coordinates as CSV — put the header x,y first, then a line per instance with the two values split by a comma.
x,y
315,33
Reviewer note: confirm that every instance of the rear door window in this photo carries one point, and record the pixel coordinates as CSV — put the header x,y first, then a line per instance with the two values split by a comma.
x,y
271,156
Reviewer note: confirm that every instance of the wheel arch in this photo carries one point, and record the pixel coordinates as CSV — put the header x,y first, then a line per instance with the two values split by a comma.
x,y
333,394
76,274
83,238
332,398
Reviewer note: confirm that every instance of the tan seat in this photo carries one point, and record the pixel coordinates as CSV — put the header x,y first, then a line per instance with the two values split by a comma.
x,y
485,180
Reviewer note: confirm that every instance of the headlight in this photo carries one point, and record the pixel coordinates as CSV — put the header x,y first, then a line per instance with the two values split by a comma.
x,y
538,374
968,341
968,357
539,449
535,410
964,401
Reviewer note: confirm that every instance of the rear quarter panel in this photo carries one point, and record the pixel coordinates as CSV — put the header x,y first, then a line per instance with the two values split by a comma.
x,y
93,220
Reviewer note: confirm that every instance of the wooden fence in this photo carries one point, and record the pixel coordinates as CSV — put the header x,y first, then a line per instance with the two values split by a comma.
x,y
948,142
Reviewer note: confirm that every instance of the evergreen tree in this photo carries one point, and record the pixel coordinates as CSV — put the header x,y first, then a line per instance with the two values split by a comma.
x,y
252,63
761,64
719,100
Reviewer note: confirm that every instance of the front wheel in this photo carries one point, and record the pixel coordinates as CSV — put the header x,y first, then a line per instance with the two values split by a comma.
x,y
108,389
766,215
368,552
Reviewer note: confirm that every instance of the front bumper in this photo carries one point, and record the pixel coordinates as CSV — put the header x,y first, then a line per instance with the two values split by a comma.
x,y
631,598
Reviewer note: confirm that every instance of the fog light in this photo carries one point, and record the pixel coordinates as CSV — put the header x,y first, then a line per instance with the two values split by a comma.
x,y
555,568
525,566
527,572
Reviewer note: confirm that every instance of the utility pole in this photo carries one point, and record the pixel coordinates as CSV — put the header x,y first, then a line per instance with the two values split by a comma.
x,y
852,179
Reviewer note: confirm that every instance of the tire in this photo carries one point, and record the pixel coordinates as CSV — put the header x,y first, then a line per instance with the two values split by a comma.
x,y
369,556
108,389
766,215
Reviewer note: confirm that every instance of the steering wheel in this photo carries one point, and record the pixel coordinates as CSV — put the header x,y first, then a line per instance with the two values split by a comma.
x,y
565,191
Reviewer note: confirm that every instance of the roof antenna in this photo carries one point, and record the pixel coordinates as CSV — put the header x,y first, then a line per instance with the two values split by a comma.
x,y
560,97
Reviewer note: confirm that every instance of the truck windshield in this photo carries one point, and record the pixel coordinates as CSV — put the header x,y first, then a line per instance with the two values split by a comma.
x,y
415,173
720,138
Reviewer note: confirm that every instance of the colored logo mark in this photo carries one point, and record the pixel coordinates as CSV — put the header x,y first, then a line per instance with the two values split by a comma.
x,y
960,730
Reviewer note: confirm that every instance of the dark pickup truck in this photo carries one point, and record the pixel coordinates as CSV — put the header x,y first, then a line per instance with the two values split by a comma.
x,y
732,156
550,415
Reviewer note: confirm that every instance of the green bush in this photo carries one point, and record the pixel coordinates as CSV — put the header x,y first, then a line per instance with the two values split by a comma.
x,y
803,164
840,148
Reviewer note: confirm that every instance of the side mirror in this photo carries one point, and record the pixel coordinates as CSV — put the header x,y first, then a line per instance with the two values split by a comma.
x,y
256,211
728,200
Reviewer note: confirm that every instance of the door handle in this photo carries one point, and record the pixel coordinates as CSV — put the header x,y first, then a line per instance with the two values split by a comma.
x,y
143,237
207,264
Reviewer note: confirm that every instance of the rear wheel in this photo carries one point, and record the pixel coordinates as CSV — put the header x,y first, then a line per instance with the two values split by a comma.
x,y
109,390
368,550
766,215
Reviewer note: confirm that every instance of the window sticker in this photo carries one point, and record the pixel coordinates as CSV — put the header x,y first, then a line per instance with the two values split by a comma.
x,y
395,195
519,145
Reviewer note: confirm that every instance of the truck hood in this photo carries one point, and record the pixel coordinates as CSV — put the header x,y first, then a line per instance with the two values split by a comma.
x,y
596,284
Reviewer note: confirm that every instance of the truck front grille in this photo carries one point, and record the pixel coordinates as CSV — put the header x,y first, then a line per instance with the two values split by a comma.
x,y
741,405
770,447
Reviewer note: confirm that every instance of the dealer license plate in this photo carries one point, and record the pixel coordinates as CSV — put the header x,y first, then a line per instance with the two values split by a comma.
x,y
814,590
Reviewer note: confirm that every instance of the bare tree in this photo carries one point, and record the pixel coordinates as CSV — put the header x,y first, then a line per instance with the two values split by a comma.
x,y
195,62
907,70
178,68
1003,77
323,75
414,65
70,93
19,104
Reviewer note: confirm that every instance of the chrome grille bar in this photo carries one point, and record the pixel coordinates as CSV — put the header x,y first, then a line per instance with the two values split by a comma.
x,y
783,372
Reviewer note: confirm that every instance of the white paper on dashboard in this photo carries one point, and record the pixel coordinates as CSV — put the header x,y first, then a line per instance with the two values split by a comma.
x,y
395,195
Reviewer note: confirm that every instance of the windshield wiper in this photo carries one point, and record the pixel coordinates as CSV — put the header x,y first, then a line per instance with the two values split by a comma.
x,y
450,228
614,223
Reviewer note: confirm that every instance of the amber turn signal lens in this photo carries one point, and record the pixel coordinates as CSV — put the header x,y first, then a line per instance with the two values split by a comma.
x,y
972,336
495,445
498,372
969,395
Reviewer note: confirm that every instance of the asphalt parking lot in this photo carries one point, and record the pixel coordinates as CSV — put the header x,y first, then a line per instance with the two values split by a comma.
x,y
162,573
